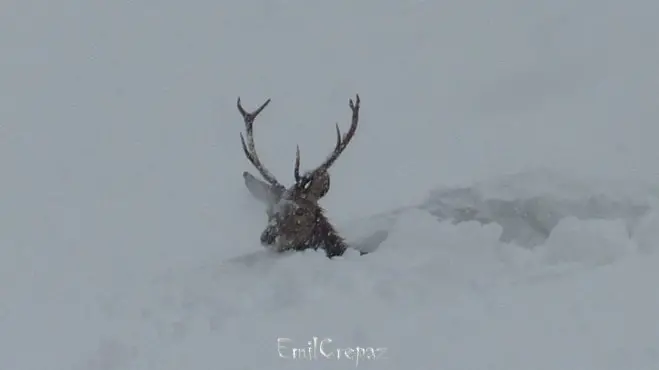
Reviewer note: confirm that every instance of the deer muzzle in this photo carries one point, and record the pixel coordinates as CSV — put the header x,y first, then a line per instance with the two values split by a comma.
x,y
269,236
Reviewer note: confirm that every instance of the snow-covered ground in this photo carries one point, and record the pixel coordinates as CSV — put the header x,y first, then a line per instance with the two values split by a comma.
x,y
504,173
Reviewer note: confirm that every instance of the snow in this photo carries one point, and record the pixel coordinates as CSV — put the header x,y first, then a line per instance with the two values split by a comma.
x,y
503,173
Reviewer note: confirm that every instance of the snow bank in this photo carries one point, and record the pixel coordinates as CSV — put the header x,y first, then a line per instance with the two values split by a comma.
x,y
433,294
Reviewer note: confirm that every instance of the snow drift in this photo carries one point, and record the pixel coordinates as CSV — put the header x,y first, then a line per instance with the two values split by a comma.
x,y
438,289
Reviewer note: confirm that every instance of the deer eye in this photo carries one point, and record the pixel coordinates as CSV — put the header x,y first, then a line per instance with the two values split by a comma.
x,y
299,212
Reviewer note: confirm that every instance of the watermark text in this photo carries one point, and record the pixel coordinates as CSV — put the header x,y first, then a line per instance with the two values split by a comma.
x,y
321,349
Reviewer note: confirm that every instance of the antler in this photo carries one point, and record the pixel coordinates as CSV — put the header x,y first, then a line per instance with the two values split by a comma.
x,y
249,149
341,144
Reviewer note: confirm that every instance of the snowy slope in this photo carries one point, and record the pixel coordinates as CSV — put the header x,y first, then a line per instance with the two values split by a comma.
x,y
458,299
506,150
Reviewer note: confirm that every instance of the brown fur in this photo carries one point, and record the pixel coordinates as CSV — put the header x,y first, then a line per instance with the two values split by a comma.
x,y
295,219
299,225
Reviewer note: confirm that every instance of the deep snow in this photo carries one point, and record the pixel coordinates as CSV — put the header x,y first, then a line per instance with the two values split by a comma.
x,y
506,154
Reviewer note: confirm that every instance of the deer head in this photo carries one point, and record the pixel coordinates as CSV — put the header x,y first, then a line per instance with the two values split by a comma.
x,y
295,219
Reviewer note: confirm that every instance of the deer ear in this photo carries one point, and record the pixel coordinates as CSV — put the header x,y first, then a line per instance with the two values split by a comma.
x,y
325,186
320,185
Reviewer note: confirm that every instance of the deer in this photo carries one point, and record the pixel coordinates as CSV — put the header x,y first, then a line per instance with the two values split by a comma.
x,y
296,221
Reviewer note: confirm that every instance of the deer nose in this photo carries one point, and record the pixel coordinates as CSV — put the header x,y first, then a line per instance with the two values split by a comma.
x,y
268,237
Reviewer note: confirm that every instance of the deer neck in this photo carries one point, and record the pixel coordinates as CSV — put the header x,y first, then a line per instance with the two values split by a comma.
x,y
326,237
